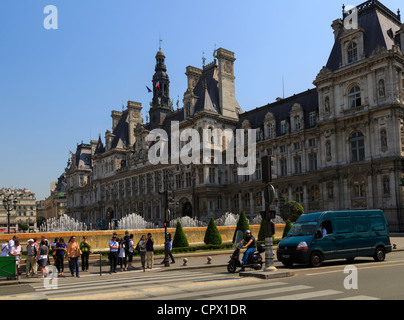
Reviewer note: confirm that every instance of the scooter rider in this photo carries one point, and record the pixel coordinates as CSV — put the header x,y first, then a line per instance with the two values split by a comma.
x,y
251,245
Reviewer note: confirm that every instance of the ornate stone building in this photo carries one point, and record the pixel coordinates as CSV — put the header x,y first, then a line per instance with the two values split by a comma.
x,y
25,212
338,146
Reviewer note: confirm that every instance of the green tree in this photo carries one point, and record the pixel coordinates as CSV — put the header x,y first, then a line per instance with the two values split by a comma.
x,y
288,226
292,210
242,225
212,234
180,239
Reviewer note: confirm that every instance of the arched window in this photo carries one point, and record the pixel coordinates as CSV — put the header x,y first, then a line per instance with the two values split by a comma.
x,y
357,142
354,97
352,52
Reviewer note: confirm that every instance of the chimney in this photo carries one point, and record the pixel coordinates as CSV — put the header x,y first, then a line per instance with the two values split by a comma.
x,y
227,96
336,26
116,116
401,35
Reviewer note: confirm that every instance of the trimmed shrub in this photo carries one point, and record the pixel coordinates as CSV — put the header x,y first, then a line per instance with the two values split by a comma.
x,y
288,226
180,239
242,225
212,235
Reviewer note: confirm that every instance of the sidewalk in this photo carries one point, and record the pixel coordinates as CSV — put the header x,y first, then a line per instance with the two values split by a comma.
x,y
194,261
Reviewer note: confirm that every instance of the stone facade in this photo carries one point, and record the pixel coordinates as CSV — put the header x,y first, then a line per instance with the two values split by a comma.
x,y
25,212
339,146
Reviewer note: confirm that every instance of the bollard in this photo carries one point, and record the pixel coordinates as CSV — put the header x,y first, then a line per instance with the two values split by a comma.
x,y
100,264
185,260
209,260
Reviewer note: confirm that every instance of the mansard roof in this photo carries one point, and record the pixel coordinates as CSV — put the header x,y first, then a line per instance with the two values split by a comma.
x,y
207,90
121,132
376,20
308,101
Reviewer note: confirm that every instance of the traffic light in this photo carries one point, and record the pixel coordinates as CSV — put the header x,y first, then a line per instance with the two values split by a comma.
x,y
268,169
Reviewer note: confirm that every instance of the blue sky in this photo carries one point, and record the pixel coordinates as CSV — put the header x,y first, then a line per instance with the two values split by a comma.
x,y
58,87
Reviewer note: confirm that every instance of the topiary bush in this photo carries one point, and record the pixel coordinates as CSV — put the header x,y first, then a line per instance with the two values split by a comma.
x,y
242,225
180,239
212,234
288,226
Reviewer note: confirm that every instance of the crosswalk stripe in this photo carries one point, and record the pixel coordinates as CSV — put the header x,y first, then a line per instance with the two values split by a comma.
x,y
110,279
126,283
307,295
249,294
360,298
202,293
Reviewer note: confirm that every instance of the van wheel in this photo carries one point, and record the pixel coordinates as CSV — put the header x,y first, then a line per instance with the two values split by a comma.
x,y
380,254
316,259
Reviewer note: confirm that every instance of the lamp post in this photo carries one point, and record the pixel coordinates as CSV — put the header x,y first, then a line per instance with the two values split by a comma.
x,y
9,204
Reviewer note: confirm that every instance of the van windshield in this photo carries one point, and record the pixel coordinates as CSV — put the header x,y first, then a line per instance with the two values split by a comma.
x,y
303,229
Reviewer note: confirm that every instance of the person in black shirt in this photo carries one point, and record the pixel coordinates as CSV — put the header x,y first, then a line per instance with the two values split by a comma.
x,y
251,245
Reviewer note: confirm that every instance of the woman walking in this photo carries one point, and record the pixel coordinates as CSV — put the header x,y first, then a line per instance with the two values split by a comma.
x,y
73,254
60,255
85,248
42,258
53,250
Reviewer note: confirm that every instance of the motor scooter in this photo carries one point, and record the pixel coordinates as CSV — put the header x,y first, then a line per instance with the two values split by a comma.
x,y
254,261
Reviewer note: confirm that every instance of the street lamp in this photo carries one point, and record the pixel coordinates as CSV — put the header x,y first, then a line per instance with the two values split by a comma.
x,y
9,204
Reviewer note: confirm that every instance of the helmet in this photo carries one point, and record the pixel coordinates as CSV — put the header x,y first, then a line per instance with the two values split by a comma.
x,y
247,232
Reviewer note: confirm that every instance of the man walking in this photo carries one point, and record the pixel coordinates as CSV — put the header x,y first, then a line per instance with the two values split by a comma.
x,y
113,253
31,262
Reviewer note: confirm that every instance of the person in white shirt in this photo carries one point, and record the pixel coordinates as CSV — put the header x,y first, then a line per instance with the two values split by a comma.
x,y
16,252
4,250
122,255
130,251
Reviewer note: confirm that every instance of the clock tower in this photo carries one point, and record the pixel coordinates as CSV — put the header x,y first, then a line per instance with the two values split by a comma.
x,y
161,104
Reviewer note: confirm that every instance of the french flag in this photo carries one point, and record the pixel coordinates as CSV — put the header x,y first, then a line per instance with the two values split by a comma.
x,y
158,84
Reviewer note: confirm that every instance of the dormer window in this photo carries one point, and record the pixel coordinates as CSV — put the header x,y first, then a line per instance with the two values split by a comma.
x,y
352,52
354,97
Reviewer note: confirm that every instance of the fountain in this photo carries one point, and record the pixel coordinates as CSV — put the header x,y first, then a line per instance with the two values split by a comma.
x,y
63,223
134,222
187,222
228,220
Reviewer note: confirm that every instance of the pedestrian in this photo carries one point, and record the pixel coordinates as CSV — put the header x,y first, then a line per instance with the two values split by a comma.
x,y
85,248
11,243
16,252
170,247
4,249
42,258
113,253
73,254
130,251
53,250
43,238
60,255
122,254
149,251
30,259
142,251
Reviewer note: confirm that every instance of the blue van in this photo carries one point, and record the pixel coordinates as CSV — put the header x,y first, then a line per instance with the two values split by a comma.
x,y
317,237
